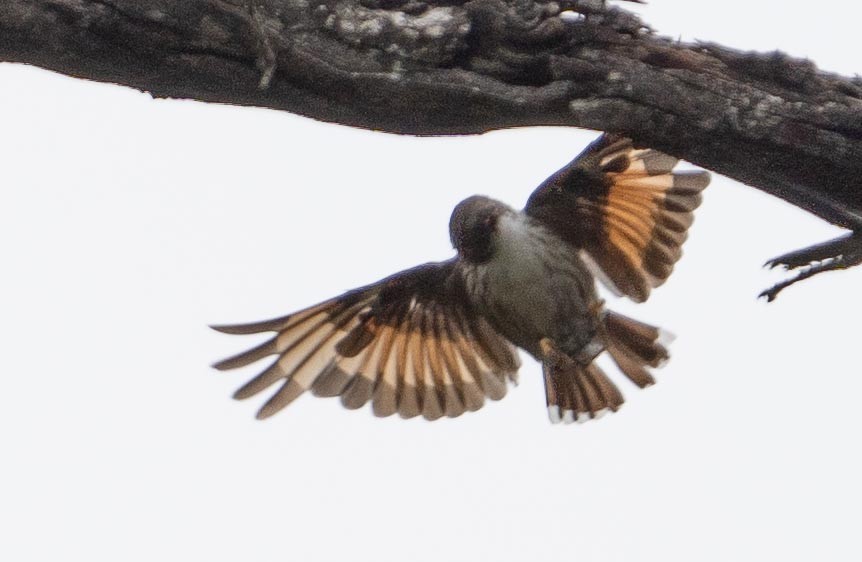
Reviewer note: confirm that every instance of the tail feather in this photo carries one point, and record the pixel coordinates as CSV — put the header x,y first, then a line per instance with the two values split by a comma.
x,y
610,396
633,346
630,367
576,392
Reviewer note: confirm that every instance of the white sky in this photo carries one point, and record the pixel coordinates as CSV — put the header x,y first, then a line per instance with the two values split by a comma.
x,y
129,224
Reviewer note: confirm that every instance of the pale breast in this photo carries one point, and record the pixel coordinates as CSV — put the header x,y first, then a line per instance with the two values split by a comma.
x,y
534,286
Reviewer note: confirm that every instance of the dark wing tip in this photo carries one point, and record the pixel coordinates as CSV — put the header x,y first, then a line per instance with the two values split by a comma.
x,y
269,409
223,365
269,347
252,328
224,328
694,180
265,413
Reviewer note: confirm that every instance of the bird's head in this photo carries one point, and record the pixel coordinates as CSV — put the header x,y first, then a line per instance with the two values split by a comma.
x,y
473,225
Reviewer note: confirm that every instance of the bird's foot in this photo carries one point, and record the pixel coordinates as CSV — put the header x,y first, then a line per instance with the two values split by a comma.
x,y
552,355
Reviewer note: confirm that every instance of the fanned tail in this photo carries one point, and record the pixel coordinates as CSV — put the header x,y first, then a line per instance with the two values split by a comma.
x,y
576,392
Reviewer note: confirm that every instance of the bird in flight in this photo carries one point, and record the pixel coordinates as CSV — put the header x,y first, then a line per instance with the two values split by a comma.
x,y
440,338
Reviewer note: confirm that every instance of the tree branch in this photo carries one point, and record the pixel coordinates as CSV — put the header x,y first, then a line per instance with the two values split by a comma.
x,y
461,67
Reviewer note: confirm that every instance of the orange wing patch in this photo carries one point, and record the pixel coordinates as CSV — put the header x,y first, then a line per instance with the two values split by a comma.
x,y
409,356
626,209
645,214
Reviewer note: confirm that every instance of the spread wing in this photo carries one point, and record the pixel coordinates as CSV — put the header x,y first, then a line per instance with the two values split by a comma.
x,y
409,344
627,209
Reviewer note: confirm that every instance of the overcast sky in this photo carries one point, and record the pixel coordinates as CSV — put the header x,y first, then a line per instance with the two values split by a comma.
x,y
128,225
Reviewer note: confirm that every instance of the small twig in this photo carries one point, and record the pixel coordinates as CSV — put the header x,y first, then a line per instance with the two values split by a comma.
x,y
839,253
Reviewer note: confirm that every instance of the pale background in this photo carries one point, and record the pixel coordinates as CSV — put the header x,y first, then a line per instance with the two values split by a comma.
x,y
127,225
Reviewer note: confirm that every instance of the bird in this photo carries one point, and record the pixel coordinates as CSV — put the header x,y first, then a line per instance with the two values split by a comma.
x,y
440,339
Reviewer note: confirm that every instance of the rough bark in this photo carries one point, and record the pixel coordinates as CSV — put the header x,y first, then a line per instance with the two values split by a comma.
x,y
459,67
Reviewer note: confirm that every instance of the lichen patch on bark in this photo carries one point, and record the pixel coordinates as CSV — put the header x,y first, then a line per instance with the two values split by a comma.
x,y
433,36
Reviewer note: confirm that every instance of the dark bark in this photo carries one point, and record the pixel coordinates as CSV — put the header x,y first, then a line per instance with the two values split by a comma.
x,y
461,67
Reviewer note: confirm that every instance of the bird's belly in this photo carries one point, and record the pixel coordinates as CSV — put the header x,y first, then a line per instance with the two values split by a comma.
x,y
537,287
